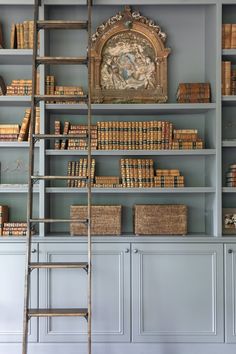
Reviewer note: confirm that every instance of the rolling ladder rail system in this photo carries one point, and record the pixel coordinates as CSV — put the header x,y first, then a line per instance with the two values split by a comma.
x,y
36,98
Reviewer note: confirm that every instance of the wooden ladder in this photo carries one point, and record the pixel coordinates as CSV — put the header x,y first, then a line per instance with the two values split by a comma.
x,y
30,266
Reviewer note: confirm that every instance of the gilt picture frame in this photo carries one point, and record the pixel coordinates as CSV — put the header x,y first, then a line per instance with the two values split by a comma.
x,y
129,60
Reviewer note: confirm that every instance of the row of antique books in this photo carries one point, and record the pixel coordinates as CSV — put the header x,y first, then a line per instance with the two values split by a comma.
x,y
229,36
51,88
135,173
15,132
22,35
231,176
194,93
228,79
7,228
144,135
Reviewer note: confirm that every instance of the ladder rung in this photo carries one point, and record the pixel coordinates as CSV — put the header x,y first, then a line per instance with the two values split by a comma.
x,y
58,265
60,136
62,24
62,60
61,98
79,221
57,312
59,177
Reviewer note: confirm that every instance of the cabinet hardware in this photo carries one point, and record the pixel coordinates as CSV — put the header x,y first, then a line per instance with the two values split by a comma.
x,y
230,251
127,250
34,250
135,250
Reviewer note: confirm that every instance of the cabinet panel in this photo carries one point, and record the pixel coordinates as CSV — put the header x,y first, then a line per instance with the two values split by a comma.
x,y
230,293
68,288
177,293
12,270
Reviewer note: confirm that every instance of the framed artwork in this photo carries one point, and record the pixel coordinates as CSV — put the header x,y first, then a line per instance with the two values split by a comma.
x,y
129,60
229,221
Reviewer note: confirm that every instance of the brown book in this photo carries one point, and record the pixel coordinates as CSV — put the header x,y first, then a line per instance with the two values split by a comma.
x,y
3,88
57,131
21,36
65,132
13,41
25,126
31,34
227,77
233,36
199,88
3,217
37,121
26,34
1,37
227,36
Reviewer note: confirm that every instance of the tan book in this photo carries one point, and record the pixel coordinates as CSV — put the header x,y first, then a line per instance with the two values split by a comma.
x,y
37,121
25,126
31,34
13,43
18,36
227,78
4,214
21,36
26,34
227,34
233,36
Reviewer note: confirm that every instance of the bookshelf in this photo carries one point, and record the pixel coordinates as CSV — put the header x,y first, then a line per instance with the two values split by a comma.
x,y
194,36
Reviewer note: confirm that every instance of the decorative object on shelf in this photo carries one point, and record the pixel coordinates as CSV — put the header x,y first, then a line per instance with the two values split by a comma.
x,y
168,179
194,93
229,221
1,37
129,60
105,220
154,219
231,176
229,36
4,215
3,88
80,169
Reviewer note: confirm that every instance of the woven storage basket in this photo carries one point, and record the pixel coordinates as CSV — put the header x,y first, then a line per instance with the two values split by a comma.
x,y
160,219
105,220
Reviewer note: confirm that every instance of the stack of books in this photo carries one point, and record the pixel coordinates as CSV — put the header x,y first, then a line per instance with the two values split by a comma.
x,y
231,176
228,86
4,214
20,88
9,132
107,182
134,135
22,35
80,169
168,179
16,229
229,36
52,89
186,139
81,130
194,93
137,173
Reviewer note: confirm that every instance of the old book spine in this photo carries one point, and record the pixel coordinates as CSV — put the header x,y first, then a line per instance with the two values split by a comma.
x,y
13,42
18,36
227,79
69,173
31,34
122,170
65,132
21,36
37,121
228,34
223,36
25,126
4,214
26,34
233,36
57,131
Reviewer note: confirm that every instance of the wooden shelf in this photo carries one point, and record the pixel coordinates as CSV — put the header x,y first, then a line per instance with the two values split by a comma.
x,y
140,109
200,152
132,190
16,56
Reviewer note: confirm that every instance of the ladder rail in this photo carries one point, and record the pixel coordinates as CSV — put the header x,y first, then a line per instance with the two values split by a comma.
x,y
30,188
89,328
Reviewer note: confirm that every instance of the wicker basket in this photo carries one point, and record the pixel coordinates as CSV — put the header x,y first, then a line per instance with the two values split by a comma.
x,y
160,219
105,220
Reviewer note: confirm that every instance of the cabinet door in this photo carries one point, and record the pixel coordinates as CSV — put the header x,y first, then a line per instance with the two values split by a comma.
x,y
230,292
68,288
12,270
177,293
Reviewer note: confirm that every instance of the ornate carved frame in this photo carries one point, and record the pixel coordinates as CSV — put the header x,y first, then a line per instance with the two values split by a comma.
x,y
132,22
